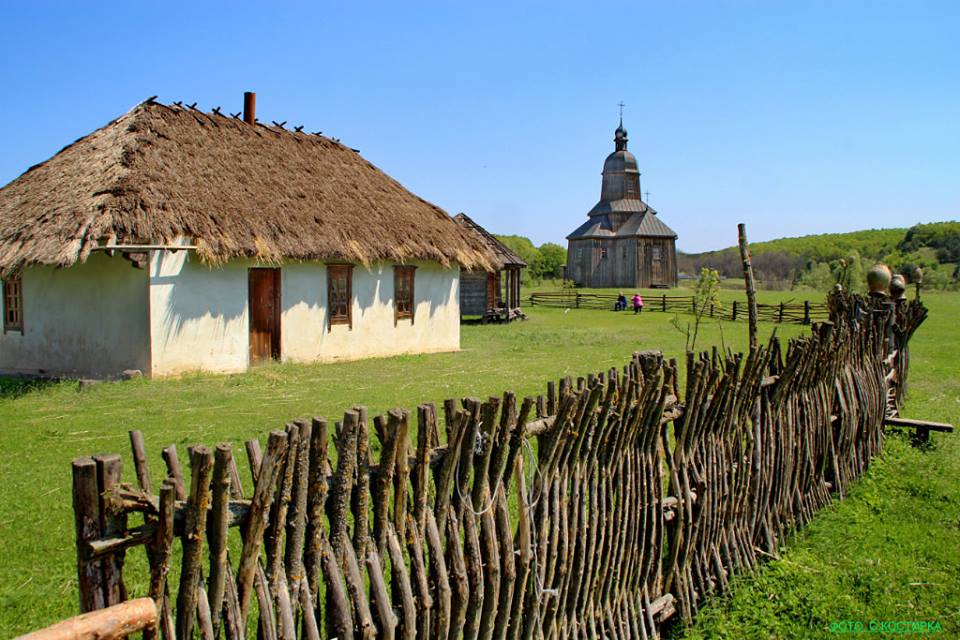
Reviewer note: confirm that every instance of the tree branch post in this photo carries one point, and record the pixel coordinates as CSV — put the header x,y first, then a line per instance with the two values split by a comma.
x,y
748,281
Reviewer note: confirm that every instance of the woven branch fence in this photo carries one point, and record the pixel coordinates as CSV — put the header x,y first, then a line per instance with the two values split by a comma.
x,y
797,313
604,508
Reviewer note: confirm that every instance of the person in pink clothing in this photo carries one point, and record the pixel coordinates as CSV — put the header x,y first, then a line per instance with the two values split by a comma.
x,y
637,303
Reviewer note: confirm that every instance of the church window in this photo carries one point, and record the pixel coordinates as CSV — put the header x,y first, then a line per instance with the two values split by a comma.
x,y
603,252
630,186
655,252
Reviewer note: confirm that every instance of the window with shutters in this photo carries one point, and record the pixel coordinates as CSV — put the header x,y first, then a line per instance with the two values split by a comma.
x,y
403,300
340,294
13,304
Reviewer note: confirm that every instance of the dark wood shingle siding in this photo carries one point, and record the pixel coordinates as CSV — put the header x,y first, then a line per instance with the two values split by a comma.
x,y
473,293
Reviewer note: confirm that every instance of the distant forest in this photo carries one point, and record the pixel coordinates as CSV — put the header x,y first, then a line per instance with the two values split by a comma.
x,y
816,261
819,260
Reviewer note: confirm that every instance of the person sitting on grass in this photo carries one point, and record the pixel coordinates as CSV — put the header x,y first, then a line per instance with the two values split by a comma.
x,y
621,302
637,303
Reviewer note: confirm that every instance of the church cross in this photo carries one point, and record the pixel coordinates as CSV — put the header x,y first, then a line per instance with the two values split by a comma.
x,y
647,193
621,105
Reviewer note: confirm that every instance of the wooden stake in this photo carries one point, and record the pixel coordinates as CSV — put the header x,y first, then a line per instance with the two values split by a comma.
x,y
86,511
748,280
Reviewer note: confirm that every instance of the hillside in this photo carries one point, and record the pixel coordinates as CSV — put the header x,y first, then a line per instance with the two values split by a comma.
x,y
816,260
872,243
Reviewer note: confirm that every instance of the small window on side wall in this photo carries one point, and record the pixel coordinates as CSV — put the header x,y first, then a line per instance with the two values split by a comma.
x,y
340,294
403,300
13,304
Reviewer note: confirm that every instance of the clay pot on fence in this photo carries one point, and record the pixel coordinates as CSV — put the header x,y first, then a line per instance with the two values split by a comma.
x,y
878,279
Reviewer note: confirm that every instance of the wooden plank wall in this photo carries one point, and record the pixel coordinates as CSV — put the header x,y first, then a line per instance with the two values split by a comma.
x,y
602,508
627,263
473,293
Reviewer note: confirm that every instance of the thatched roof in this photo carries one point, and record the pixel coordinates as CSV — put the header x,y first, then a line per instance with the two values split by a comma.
x,y
237,190
503,255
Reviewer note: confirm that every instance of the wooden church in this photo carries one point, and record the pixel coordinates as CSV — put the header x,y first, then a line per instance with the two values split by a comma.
x,y
623,243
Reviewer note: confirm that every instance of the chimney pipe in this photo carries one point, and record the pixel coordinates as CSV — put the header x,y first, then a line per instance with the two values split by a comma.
x,y
249,107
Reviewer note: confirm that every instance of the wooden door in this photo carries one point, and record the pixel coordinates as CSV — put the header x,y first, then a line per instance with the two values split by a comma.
x,y
264,296
656,265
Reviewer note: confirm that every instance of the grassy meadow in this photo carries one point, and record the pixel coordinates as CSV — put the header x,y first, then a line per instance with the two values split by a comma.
x,y
889,552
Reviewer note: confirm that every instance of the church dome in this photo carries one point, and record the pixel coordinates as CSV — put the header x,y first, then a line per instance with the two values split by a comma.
x,y
621,161
621,175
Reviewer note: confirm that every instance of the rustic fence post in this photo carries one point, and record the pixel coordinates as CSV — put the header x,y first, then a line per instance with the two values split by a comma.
x,y
806,312
748,280
201,465
663,303
217,534
734,316
140,460
780,316
86,512
111,524
578,300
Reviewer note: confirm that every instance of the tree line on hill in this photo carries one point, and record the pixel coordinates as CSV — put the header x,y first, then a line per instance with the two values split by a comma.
x,y
818,261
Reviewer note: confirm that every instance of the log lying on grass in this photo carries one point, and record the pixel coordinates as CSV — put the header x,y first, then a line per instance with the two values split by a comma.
x,y
117,621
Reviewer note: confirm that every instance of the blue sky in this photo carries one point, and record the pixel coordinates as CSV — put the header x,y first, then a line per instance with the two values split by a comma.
x,y
794,117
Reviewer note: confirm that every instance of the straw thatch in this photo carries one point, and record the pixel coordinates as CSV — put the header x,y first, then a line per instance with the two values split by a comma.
x,y
503,256
237,190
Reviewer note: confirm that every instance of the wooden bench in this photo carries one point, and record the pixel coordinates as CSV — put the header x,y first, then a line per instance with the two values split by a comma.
x,y
923,427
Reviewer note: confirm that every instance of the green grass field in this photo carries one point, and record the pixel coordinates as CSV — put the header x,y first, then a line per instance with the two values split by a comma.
x,y
891,551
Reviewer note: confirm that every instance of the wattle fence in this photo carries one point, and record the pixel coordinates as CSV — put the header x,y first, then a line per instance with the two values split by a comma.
x,y
798,312
604,508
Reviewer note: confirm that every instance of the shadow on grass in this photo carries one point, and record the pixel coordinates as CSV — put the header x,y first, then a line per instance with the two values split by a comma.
x,y
12,387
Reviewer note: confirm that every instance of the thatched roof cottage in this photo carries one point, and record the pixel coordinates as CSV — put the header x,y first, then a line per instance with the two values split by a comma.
x,y
173,240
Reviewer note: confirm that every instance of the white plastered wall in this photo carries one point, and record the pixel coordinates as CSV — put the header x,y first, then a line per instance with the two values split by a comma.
x,y
305,335
199,314
90,319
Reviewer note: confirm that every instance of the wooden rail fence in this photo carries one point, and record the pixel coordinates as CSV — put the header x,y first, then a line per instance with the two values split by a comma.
x,y
603,508
798,313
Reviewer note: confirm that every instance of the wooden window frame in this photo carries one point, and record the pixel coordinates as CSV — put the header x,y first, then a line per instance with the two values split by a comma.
x,y
13,313
401,271
333,270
